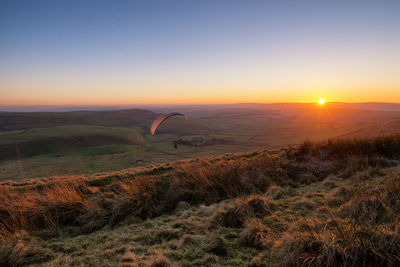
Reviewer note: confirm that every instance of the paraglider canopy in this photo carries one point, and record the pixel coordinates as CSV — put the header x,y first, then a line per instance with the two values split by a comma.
x,y
162,118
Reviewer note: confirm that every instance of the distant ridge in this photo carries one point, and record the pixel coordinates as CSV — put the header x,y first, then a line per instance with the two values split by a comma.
x,y
116,118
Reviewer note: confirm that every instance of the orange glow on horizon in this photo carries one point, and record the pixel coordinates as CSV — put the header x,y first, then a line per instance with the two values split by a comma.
x,y
103,96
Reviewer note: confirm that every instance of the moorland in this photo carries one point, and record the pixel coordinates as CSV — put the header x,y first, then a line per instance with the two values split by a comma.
x,y
44,144
330,203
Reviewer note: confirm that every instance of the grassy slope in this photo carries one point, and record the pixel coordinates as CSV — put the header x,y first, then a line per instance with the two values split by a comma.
x,y
187,236
59,139
327,204
21,136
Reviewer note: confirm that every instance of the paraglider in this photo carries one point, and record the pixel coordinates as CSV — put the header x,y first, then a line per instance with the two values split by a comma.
x,y
162,118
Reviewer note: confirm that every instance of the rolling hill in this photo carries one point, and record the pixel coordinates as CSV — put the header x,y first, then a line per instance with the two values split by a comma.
x,y
10,121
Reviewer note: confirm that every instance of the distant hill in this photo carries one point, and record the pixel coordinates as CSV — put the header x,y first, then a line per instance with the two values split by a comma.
x,y
10,121
368,106
377,106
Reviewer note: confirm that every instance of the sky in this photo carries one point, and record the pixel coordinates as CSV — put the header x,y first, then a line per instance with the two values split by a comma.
x,y
198,52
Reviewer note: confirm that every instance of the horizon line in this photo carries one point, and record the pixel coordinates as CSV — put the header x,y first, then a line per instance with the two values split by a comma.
x,y
199,104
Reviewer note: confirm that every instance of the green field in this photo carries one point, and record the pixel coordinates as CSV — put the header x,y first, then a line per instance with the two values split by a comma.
x,y
65,132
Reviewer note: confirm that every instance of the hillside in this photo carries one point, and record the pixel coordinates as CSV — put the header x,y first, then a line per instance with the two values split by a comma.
x,y
385,127
334,203
11,121
27,143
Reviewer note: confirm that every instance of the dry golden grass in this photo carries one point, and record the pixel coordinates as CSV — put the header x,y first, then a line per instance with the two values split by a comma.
x,y
366,235
160,261
59,204
351,220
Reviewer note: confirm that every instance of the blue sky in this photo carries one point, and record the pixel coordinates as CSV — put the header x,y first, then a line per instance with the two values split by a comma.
x,y
134,52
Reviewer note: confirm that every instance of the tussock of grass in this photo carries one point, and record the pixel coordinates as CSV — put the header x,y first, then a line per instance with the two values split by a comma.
x,y
129,257
139,197
260,206
343,245
256,235
160,261
234,216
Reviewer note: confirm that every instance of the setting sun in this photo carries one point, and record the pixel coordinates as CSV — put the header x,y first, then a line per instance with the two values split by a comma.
x,y
321,101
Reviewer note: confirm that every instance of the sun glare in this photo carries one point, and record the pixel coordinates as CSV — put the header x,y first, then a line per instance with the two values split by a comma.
x,y
321,101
